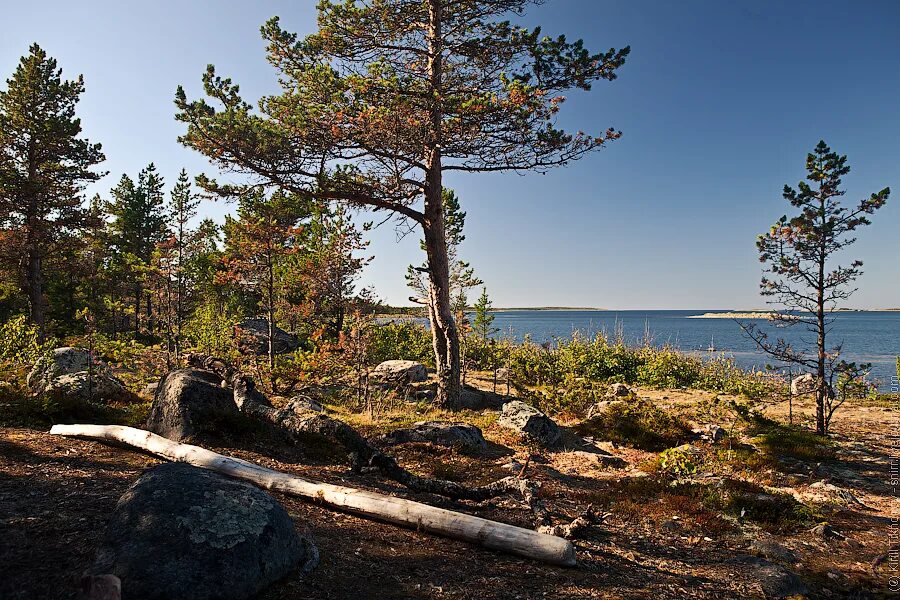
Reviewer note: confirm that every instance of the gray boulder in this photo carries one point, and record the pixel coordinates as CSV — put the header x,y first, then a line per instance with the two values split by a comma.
x,y
181,532
71,373
62,361
149,390
253,336
189,403
603,406
400,372
530,422
442,433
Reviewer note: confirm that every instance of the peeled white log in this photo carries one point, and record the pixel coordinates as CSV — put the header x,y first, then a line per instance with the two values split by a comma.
x,y
418,516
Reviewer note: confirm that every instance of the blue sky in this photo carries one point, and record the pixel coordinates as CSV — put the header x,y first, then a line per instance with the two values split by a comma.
x,y
719,103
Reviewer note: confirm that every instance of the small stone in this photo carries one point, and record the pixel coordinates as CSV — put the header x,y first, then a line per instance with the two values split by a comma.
x,y
773,551
619,390
304,404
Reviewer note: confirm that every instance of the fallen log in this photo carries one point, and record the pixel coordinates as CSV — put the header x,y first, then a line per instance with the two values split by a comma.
x,y
399,511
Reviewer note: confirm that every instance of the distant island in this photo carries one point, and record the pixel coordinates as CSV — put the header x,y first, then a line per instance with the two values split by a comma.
x,y
547,308
736,315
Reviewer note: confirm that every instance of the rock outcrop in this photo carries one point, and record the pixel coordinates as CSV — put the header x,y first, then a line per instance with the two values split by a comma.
x,y
74,375
253,336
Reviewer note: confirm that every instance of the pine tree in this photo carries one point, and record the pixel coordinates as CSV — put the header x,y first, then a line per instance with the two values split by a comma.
x,y
331,266
257,244
44,166
799,275
389,95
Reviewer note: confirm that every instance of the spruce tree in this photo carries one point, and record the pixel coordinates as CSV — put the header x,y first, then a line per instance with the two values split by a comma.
x,y
44,166
183,206
138,224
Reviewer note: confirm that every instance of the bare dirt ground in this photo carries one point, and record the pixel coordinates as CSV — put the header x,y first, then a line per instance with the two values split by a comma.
x,y
655,542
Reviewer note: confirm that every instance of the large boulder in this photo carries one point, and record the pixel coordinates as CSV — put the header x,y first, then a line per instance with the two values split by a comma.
x,y
400,372
253,336
73,374
189,403
531,423
806,384
455,435
181,532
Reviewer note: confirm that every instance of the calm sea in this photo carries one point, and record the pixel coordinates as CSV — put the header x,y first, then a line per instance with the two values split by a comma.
x,y
870,337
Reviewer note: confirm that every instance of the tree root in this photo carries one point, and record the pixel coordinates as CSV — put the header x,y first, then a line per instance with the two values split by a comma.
x,y
297,423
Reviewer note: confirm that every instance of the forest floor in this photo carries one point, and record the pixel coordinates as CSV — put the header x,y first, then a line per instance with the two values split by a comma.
x,y
659,538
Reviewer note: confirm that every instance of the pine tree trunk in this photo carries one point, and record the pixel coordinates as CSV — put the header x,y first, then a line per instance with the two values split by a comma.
x,y
35,282
445,337
821,384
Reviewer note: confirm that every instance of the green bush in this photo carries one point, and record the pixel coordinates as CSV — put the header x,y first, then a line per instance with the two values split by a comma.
x,y
399,341
678,461
210,332
666,368
19,341
564,376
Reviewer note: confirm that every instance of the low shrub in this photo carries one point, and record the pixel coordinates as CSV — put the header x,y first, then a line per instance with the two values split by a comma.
x,y
677,461
638,423
772,511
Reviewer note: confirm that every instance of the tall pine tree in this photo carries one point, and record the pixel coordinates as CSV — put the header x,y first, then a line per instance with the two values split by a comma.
x,y
389,95
44,166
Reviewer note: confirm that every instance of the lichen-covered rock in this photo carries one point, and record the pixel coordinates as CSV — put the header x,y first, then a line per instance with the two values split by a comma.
x,y
806,384
189,403
181,532
253,336
72,374
400,371
442,433
304,404
62,361
530,422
